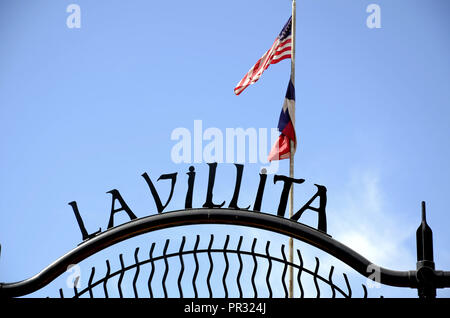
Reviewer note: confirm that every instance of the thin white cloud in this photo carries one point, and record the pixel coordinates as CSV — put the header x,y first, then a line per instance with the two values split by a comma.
x,y
367,224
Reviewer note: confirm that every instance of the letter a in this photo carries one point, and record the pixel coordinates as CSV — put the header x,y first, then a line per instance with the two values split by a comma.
x,y
124,207
74,19
322,194
374,20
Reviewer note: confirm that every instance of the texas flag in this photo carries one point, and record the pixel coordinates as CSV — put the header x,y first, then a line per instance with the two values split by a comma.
x,y
282,147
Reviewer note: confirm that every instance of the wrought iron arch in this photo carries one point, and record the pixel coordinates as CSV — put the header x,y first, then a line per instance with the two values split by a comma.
x,y
424,277
224,251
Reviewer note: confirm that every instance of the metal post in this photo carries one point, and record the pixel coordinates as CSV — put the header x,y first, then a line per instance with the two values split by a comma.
x,y
425,260
291,158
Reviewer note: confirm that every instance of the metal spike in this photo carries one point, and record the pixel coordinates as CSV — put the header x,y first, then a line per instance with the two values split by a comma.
x,y
180,276
122,272
349,295
330,278
108,270
152,271
365,290
225,272
283,277
91,277
166,269
194,278
240,267
316,271
269,269
255,268
211,265
136,261
302,293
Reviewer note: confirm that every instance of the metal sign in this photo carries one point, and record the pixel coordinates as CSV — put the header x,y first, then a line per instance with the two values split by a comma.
x,y
321,195
425,278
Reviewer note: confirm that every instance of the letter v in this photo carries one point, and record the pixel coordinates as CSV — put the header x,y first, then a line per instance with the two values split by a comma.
x,y
173,177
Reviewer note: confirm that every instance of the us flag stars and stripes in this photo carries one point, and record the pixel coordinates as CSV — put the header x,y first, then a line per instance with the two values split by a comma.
x,y
281,49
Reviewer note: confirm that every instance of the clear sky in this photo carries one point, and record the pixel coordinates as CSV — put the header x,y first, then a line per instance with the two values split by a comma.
x,y
86,110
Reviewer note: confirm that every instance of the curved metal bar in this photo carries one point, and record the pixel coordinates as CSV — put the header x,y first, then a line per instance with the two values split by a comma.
x,y
152,272
180,275
136,274
349,288
225,271
211,265
283,276
269,270
108,270
238,278
166,269
194,278
91,294
213,216
365,290
122,273
330,278
300,270
209,251
316,273
255,268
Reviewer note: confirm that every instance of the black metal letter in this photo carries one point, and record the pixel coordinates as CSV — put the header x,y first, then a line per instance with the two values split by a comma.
x,y
83,230
261,186
173,177
116,196
209,195
322,193
190,191
237,187
285,193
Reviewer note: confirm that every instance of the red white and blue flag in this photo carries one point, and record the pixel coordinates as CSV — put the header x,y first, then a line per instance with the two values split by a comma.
x,y
281,49
282,147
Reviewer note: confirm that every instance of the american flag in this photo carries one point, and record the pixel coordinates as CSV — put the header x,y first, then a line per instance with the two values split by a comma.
x,y
281,49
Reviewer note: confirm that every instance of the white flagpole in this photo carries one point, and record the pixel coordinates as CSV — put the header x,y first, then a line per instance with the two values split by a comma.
x,y
291,159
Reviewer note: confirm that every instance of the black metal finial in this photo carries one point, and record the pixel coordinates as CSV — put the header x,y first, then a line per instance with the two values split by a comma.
x,y
424,237
424,212
425,264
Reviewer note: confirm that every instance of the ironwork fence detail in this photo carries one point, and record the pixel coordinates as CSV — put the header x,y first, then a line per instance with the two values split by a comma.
x,y
181,253
425,278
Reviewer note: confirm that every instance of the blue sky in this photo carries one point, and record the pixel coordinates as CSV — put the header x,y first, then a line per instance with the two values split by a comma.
x,y
84,111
